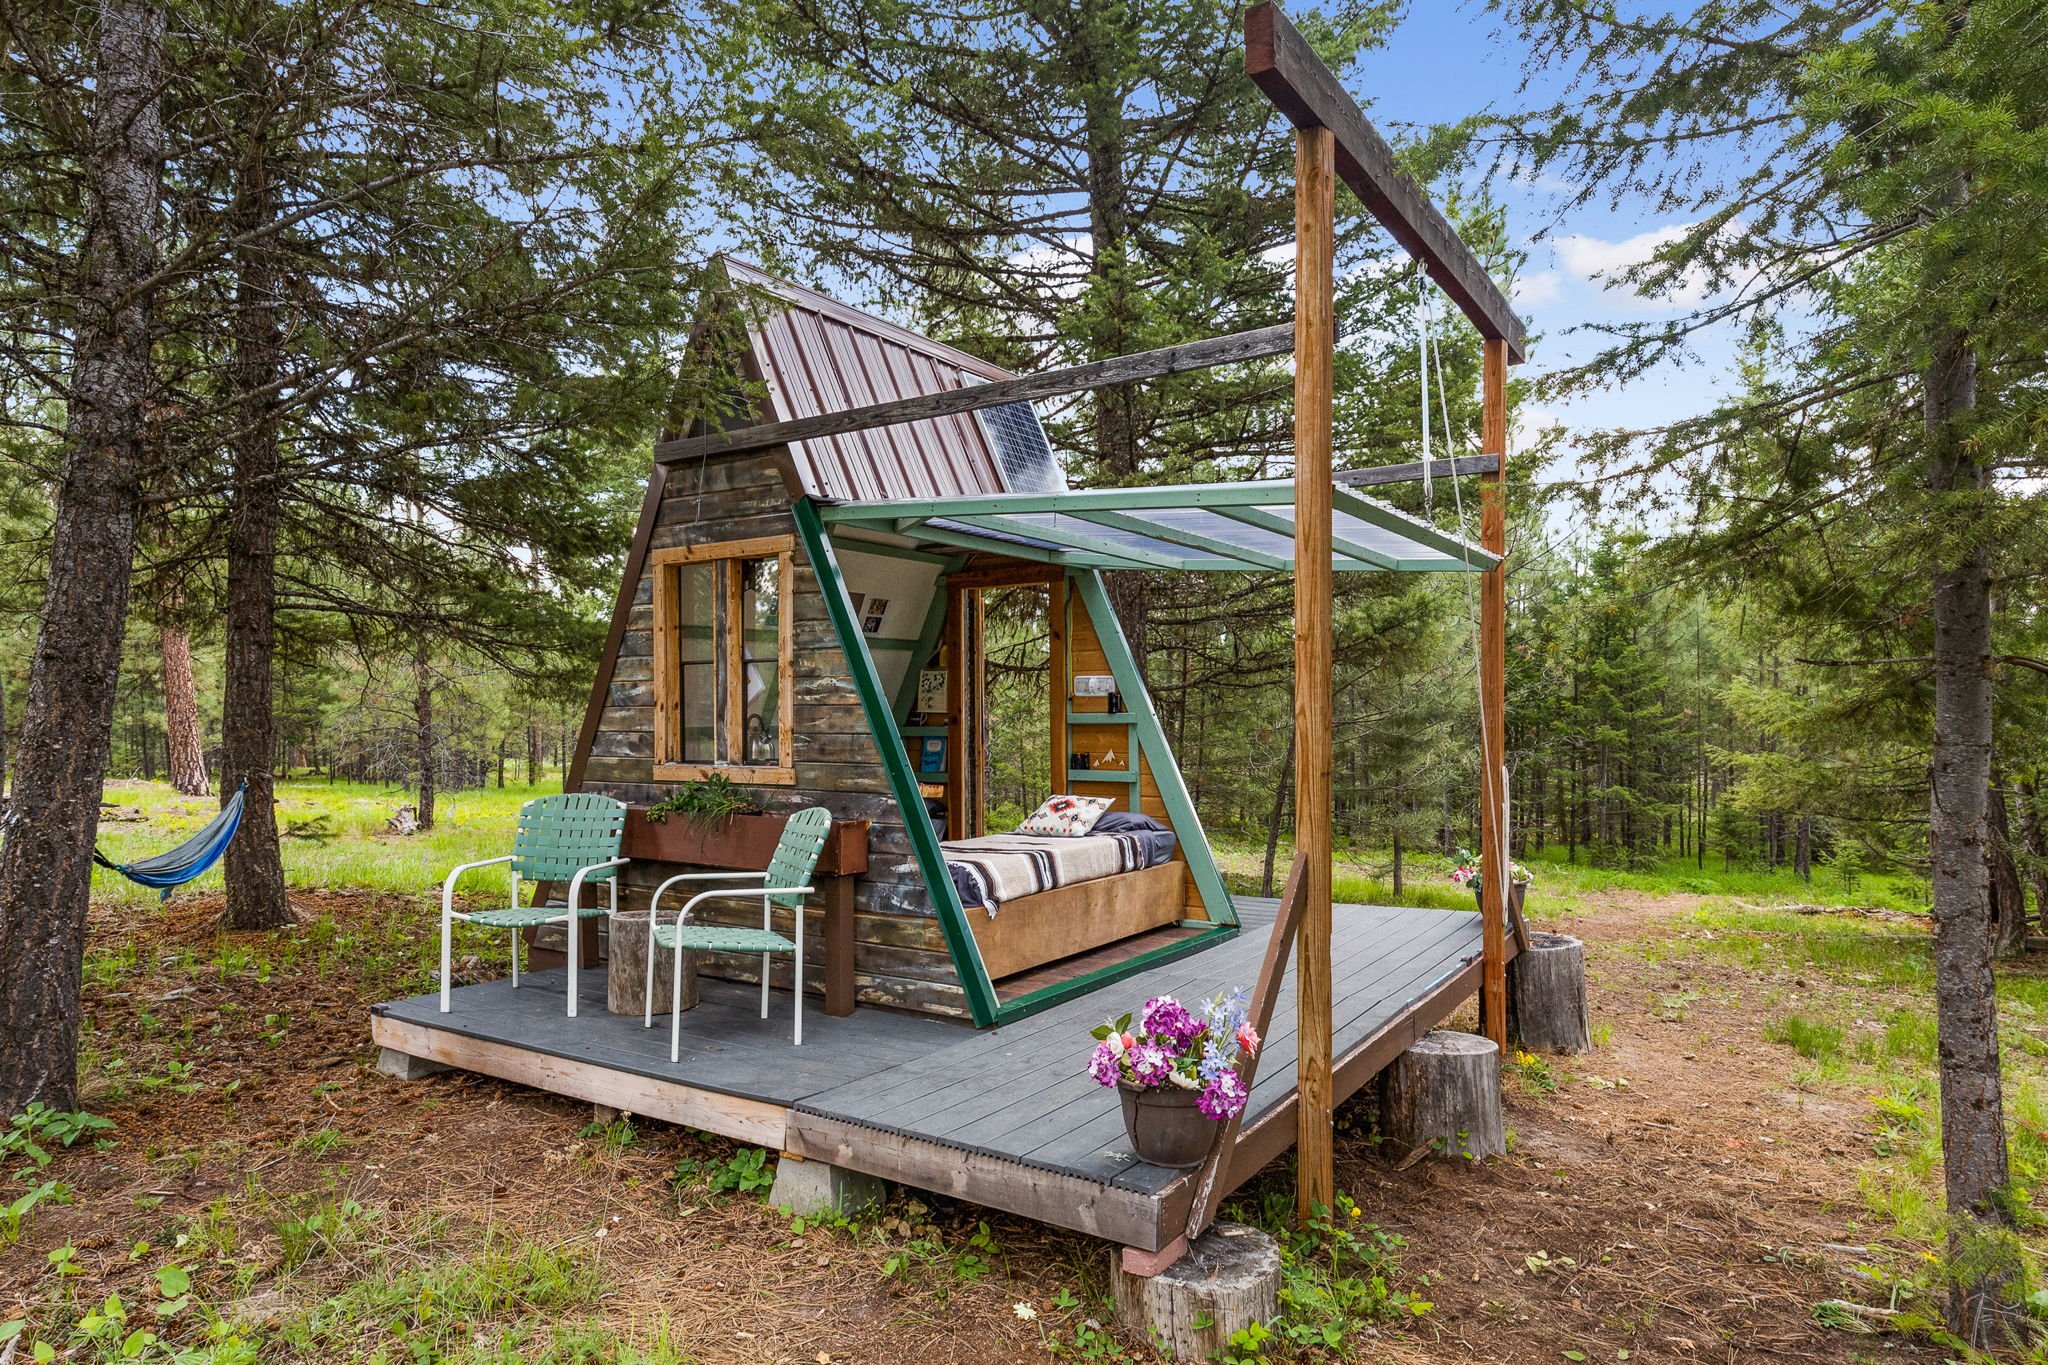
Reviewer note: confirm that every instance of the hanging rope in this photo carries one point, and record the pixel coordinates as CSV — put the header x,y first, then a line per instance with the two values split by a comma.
x,y
1430,354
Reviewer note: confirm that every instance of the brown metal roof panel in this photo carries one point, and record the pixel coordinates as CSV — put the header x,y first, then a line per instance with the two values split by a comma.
x,y
820,356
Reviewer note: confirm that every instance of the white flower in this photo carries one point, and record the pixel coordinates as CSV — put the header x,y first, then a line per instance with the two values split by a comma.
x,y
1024,1311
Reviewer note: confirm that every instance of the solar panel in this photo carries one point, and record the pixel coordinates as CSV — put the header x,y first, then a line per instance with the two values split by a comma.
x,y
1022,453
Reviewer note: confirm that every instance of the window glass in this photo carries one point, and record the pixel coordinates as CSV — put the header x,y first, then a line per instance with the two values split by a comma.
x,y
696,602
760,642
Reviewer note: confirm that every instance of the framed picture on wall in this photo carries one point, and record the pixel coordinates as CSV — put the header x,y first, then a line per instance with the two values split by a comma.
x,y
873,614
931,691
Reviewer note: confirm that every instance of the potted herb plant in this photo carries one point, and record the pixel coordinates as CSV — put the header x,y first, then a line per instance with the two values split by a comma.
x,y
720,826
1180,1073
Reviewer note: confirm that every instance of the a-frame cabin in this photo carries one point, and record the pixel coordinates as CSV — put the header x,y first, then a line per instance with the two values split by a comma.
x,y
787,706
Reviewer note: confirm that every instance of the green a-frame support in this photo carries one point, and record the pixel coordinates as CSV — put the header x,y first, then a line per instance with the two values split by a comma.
x,y
1150,736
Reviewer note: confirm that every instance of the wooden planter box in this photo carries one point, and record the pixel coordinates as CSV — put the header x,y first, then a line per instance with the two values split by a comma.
x,y
745,842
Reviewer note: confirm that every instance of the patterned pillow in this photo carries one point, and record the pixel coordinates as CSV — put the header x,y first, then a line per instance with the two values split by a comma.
x,y
1065,817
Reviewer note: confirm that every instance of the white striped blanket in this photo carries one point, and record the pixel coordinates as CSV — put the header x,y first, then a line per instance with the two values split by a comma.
x,y
1001,867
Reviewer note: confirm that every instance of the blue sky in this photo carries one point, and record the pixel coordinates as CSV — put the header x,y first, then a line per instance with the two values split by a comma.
x,y
1447,61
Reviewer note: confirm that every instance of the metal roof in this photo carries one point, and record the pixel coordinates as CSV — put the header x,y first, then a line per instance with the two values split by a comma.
x,y
816,355
1239,526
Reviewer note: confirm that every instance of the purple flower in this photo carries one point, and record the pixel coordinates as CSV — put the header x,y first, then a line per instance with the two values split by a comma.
x,y
1224,1098
1169,1023
1102,1066
1150,1064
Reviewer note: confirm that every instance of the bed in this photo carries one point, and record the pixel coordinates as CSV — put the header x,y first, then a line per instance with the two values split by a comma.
x,y
1032,900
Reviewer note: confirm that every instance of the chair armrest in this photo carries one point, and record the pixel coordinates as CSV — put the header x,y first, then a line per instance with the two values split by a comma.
x,y
576,882
762,891
654,905
448,886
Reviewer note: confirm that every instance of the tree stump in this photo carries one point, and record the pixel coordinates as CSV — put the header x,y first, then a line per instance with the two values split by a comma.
x,y
1443,1096
1229,1279
625,983
1547,995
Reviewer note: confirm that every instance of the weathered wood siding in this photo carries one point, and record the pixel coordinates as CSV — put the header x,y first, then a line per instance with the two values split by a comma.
x,y
900,954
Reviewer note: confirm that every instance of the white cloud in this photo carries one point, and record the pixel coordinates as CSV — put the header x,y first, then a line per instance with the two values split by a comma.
x,y
1599,262
1533,291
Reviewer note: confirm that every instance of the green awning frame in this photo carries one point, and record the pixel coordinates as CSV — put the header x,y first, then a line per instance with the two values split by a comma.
x,y
1243,527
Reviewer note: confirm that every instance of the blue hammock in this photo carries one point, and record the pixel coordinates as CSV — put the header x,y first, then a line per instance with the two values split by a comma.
x,y
168,871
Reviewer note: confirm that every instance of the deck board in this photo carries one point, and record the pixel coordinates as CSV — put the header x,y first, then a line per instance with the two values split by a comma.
x,y
1005,1117
727,1046
1022,1093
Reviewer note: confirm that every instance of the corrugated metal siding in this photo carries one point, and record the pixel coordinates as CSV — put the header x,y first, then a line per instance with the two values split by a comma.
x,y
817,355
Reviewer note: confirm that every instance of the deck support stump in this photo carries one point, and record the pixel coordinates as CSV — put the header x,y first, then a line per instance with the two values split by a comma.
x,y
625,985
1443,1095
1547,995
807,1187
1229,1279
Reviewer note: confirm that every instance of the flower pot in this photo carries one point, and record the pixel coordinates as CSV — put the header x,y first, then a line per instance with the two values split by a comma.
x,y
1516,891
1165,1126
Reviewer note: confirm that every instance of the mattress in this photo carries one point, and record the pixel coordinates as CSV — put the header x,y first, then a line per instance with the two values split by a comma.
x,y
1001,867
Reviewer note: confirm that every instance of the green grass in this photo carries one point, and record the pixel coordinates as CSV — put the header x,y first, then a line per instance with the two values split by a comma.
x,y
1364,876
361,855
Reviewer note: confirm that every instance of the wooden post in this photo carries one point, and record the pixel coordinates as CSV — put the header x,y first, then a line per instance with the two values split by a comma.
x,y
1314,345
1493,692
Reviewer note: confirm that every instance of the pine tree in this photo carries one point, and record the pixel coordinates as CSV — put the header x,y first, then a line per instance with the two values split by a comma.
x,y
1879,167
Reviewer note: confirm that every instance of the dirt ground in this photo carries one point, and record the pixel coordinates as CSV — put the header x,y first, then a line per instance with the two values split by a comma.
x,y
1676,1198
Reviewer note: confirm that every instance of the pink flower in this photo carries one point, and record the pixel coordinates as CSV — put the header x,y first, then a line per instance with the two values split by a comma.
x,y
1247,1039
1102,1066
1149,1064
1225,1098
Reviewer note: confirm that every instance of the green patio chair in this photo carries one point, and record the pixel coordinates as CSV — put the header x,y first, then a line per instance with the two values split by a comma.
x,y
574,838
786,882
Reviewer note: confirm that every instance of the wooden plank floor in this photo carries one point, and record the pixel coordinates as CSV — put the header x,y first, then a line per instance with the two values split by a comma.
x,y
1022,1093
728,1048
1006,1117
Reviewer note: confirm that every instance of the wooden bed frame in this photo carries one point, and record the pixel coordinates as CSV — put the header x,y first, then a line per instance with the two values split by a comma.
x,y
1031,931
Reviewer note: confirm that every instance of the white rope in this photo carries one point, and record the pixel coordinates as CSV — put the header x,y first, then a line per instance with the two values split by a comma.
x,y
1422,331
1496,857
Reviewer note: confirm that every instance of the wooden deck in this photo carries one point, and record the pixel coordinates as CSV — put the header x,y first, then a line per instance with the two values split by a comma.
x,y
1006,1117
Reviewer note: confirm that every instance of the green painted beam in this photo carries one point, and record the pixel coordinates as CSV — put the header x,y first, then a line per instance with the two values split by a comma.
x,y
1267,492
1047,996
1411,528
1193,540
1078,540
853,545
924,842
1151,736
1273,521
988,545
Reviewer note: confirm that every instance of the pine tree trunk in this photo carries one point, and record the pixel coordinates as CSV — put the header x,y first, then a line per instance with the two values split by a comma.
x,y
185,750
257,898
532,752
423,735
1966,1006
2008,893
1279,810
67,731
2034,831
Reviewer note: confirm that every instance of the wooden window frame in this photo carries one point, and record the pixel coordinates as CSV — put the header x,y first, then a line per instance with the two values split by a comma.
x,y
668,695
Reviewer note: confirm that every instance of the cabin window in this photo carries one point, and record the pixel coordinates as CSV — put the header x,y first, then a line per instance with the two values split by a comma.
x,y
722,699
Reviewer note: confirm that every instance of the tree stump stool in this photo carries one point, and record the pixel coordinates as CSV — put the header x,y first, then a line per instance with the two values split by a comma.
x,y
1547,995
625,985
1443,1096
1229,1279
